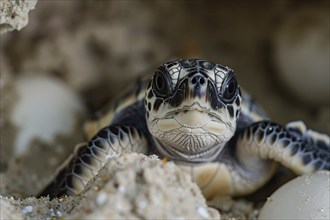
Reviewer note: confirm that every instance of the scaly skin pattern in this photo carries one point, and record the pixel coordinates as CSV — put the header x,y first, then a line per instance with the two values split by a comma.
x,y
194,113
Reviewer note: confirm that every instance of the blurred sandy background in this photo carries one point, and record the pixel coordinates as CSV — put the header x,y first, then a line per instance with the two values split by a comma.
x,y
98,47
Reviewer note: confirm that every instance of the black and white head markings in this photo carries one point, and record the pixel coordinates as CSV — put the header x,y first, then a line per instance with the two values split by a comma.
x,y
192,108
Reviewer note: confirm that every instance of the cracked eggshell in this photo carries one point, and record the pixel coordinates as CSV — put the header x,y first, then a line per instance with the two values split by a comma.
x,y
45,109
305,197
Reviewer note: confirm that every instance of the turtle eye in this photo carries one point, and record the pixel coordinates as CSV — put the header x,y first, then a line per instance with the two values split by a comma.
x,y
160,84
230,88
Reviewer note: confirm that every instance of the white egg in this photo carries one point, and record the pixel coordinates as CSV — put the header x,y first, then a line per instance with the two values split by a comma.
x,y
305,197
45,109
301,49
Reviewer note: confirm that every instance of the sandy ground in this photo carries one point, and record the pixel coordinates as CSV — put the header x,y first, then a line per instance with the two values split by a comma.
x,y
129,187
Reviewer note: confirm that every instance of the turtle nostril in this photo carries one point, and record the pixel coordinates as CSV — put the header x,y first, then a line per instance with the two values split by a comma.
x,y
202,81
198,79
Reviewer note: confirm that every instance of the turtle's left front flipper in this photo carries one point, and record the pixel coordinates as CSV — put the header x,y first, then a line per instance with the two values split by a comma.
x,y
296,147
89,158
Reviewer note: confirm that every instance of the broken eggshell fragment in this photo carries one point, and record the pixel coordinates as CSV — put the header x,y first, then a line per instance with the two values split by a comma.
x,y
45,109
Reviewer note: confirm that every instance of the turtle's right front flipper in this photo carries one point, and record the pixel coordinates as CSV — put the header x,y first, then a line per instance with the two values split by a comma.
x,y
258,147
89,158
300,149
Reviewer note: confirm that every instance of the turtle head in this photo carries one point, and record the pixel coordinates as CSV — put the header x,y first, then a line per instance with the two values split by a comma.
x,y
192,108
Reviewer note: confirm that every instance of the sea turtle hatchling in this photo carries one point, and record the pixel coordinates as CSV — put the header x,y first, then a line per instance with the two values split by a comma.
x,y
193,112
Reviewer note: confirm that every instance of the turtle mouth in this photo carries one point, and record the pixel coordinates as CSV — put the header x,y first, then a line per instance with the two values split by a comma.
x,y
193,120
194,107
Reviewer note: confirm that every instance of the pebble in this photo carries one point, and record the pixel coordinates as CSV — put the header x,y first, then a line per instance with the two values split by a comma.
x,y
203,212
27,209
101,198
